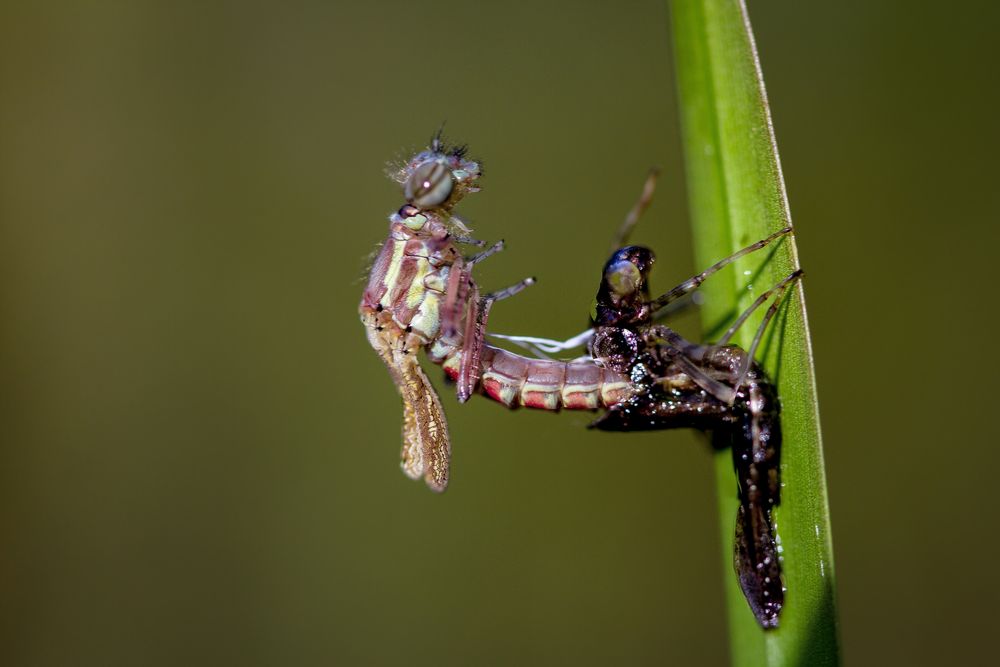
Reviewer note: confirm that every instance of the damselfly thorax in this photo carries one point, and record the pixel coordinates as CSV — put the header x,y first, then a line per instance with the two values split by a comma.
x,y
420,293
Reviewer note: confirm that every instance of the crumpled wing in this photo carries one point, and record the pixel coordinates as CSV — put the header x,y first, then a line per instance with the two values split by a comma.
x,y
426,447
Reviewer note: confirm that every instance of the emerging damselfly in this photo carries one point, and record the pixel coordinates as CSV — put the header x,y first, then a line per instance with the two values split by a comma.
x,y
421,295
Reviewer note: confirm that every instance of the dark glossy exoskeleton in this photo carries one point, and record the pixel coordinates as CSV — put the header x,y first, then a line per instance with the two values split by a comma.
x,y
653,378
714,388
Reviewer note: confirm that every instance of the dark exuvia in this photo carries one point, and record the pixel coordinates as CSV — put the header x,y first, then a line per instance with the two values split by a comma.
x,y
714,388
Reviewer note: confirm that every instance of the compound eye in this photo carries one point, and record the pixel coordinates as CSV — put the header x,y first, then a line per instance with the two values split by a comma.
x,y
623,278
429,186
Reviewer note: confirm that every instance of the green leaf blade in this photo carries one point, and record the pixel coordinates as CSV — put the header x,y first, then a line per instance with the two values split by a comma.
x,y
737,196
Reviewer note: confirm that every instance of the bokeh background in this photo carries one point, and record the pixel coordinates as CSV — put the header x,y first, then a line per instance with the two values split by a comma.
x,y
199,450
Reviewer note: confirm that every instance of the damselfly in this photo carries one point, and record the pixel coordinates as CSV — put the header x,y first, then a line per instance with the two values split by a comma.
x,y
420,294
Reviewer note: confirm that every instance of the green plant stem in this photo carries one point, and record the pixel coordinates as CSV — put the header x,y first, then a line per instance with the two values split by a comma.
x,y
737,195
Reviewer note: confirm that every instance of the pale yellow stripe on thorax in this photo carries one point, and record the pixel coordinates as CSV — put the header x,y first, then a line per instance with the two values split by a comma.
x,y
392,273
417,290
427,319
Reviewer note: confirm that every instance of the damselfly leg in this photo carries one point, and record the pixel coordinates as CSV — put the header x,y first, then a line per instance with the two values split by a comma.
x,y
654,309
640,206
543,347
466,312
694,282
470,369
692,354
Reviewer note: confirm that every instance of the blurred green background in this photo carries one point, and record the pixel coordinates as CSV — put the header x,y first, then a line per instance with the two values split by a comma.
x,y
200,450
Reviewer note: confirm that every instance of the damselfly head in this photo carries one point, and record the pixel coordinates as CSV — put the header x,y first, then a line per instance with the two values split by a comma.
x,y
627,270
439,177
624,288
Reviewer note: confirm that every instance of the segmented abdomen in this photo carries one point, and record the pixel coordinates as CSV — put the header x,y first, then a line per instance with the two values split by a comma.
x,y
545,384
406,291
